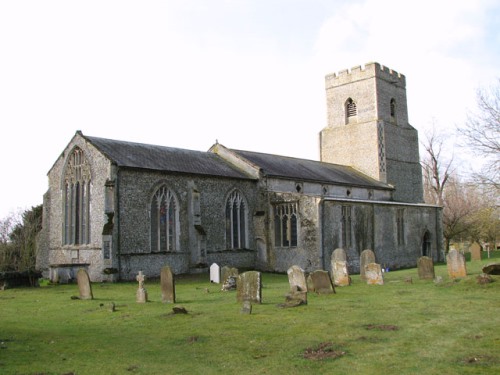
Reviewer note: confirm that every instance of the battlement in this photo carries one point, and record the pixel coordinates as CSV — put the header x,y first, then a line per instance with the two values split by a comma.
x,y
358,73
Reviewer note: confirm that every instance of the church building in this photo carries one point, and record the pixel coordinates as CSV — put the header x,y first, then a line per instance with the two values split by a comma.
x,y
117,208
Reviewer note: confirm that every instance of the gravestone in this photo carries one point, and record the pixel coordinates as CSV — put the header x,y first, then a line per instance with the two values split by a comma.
x,y
84,286
339,255
475,251
249,287
226,271
246,307
167,281
340,273
229,284
425,268
373,274
456,264
142,294
322,282
366,257
297,279
215,273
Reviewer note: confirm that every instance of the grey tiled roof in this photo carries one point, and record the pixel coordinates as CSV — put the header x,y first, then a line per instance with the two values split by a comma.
x,y
168,159
310,170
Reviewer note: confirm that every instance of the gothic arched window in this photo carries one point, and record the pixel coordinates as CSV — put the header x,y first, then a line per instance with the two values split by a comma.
x,y
285,225
350,109
76,197
236,221
164,221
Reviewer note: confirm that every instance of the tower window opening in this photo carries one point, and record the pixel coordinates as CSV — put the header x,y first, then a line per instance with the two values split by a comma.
x,y
393,109
351,109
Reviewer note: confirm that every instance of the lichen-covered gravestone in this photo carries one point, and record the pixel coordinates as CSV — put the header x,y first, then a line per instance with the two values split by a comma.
x,y
167,281
456,264
339,255
297,279
84,286
142,294
475,251
373,274
340,273
226,272
425,268
249,287
366,257
322,282
215,273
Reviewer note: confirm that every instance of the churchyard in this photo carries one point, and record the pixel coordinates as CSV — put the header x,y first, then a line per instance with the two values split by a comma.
x,y
408,325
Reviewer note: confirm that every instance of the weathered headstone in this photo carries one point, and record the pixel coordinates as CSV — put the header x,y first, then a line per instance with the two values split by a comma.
x,y
322,282
366,257
215,273
226,271
229,284
425,268
340,273
246,307
296,297
84,286
297,279
142,294
167,281
475,251
456,264
373,274
339,255
249,287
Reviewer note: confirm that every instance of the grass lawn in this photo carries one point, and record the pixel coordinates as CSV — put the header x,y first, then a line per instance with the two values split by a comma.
x,y
397,328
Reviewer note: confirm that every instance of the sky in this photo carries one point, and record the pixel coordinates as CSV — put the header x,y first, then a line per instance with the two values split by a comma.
x,y
246,73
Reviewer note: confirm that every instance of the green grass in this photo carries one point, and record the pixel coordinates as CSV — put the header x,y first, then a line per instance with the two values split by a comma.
x,y
397,328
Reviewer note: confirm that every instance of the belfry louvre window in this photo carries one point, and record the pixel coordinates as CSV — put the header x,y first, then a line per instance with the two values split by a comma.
x,y
351,109
393,108
346,226
76,197
285,225
236,221
164,221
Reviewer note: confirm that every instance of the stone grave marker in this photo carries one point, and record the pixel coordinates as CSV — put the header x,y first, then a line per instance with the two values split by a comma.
x,y
226,271
425,267
340,273
322,282
297,279
167,281
84,285
249,287
366,257
475,251
215,273
246,307
373,274
142,294
339,255
456,264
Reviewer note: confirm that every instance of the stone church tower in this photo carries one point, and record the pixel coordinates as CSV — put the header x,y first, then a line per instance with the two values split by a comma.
x,y
368,128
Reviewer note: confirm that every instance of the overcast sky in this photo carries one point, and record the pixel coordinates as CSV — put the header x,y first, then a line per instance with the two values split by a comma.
x,y
248,73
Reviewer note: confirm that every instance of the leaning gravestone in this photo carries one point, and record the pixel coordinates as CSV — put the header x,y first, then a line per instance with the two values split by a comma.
x,y
322,282
249,287
340,273
215,273
84,286
373,274
142,294
475,251
456,264
425,268
339,255
167,281
297,279
226,272
366,257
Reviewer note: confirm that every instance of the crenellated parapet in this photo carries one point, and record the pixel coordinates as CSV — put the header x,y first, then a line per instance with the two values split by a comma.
x,y
369,70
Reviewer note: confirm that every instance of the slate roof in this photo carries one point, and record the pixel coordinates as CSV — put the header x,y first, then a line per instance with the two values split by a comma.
x,y
310,170
161,158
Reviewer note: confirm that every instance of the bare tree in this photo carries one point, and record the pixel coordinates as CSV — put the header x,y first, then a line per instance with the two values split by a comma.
x,y
481,134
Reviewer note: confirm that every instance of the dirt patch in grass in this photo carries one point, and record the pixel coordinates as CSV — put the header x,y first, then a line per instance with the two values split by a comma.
x,y
324,350
381,327
479,360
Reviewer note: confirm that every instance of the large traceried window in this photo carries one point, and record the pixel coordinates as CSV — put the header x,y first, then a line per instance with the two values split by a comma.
x,y
164,221
76,197
236,221
285,225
